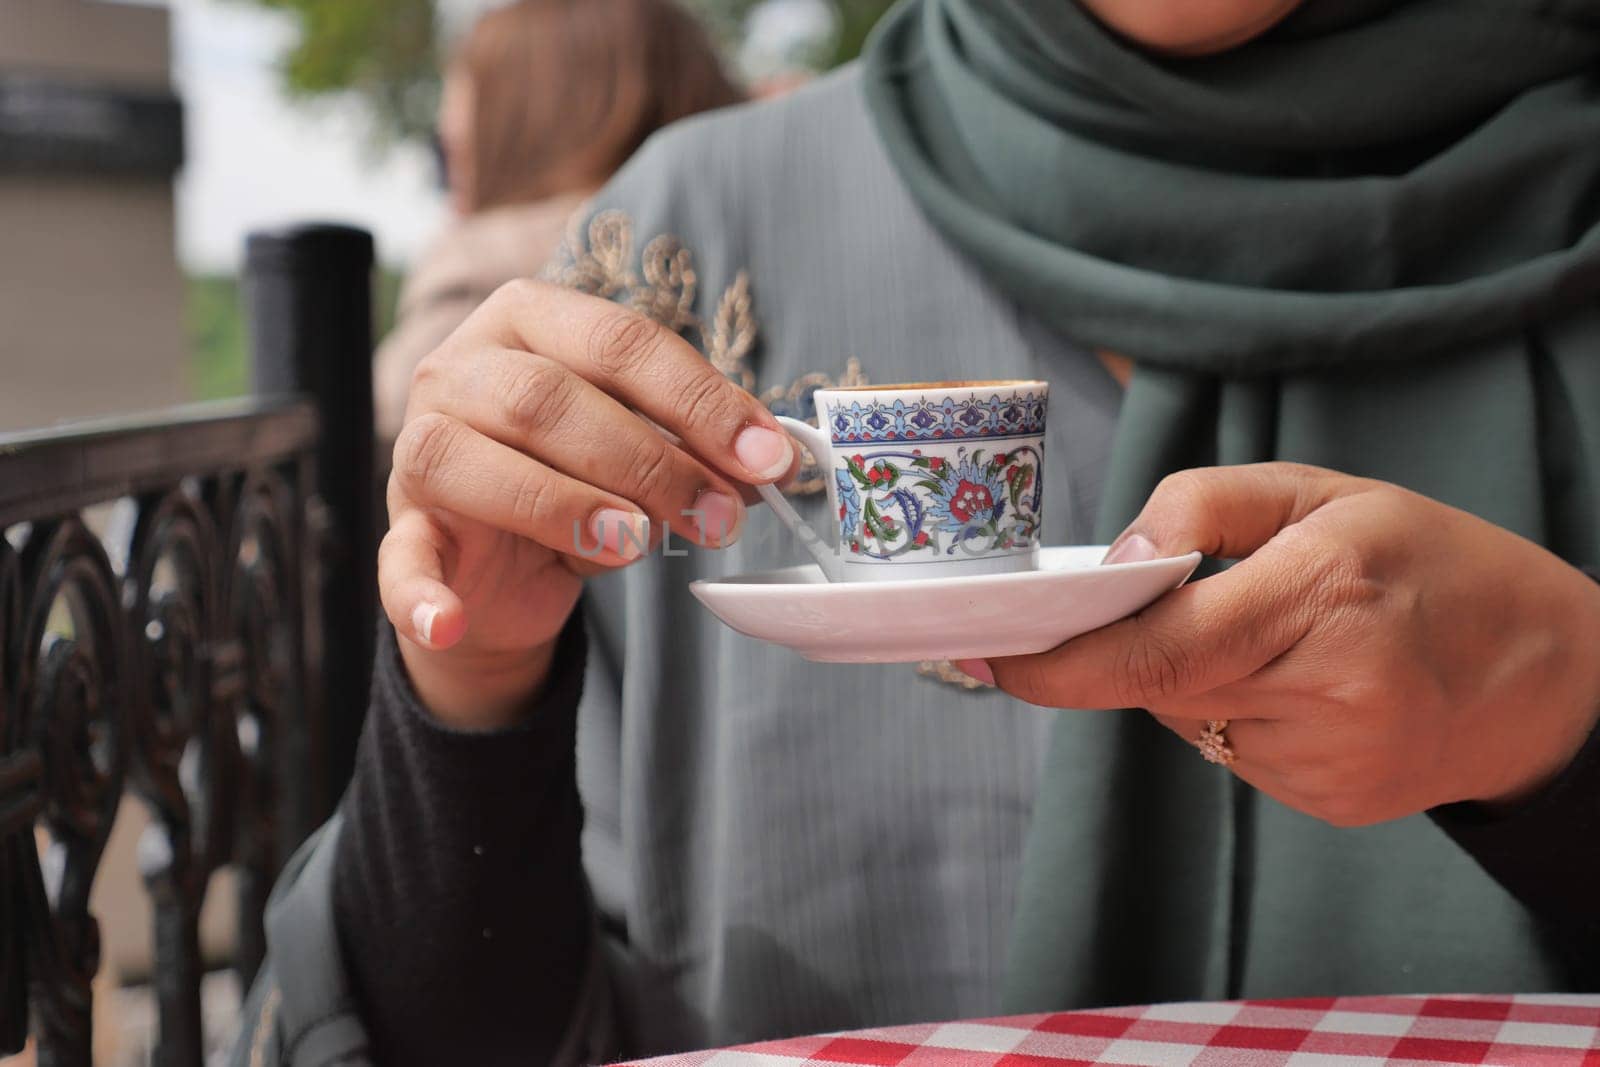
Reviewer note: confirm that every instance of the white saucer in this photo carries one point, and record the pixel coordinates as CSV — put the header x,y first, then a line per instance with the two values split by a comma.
x,y
975,617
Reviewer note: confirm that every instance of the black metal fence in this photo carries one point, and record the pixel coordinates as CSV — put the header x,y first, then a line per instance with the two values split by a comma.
x,y
168,590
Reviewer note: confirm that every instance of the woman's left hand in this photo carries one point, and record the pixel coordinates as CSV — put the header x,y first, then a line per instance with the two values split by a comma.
x,y
1375,653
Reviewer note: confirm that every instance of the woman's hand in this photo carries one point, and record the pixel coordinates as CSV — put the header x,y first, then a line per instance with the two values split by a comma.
x,y
1375,652
533,454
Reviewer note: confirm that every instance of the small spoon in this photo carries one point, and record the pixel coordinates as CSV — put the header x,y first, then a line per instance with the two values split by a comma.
x,y
826,555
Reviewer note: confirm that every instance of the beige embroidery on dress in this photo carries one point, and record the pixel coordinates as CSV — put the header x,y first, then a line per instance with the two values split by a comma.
x,y
598,259
731,334
667,292
602,264
943,670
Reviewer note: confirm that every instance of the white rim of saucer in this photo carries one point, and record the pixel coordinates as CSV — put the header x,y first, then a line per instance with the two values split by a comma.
x,y
943,583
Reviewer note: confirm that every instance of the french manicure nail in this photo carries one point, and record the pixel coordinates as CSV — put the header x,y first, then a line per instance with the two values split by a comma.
x,y
422,619
717,518
976,668
1134,548
765,453
627,533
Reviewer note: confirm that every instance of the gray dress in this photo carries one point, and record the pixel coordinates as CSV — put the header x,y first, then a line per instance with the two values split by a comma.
x,y
793,846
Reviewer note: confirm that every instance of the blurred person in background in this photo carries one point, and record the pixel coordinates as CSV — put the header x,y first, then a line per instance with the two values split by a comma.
x,y
543,101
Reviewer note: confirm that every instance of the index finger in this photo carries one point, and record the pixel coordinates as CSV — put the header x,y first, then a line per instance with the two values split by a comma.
x,y
649,368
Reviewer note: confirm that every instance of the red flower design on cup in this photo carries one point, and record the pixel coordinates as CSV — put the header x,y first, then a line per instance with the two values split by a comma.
x,y
970,499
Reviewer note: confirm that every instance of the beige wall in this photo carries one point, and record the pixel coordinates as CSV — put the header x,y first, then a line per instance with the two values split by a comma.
x,y
121,43
91,296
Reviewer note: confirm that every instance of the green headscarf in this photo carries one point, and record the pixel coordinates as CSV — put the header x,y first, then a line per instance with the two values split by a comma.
x,y
1369,240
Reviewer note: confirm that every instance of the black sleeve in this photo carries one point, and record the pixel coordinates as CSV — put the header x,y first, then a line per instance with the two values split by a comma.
x,y
460,900
1546,852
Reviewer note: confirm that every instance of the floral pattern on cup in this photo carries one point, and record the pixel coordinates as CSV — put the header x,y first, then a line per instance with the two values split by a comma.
x,y
901,503
927,480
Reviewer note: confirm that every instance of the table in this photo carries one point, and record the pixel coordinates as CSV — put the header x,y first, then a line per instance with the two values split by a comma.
x,y
1542,1029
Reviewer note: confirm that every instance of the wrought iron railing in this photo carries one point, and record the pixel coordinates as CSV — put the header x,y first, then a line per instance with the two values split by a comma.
x,y
167,588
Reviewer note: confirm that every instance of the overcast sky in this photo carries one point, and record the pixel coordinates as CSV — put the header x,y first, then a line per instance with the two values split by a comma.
x,y
256,160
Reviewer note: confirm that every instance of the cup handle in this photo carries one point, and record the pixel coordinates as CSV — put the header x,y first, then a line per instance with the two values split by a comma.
x,y
825,555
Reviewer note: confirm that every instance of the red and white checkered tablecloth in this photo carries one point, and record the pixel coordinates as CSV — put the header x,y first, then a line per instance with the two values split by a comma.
x,y
1525,1029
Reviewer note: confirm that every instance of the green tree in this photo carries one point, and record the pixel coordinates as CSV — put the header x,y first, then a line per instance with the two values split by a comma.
x,y
854,19
387,52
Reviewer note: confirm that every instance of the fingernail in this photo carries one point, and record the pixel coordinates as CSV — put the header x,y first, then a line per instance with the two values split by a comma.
x,y
765,453
717,517
976,668
627,533
1131,548
422,619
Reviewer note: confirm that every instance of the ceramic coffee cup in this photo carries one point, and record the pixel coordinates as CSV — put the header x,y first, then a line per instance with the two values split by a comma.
x,y
932,480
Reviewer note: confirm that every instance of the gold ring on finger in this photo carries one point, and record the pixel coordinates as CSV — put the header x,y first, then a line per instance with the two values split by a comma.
x,y
1213,744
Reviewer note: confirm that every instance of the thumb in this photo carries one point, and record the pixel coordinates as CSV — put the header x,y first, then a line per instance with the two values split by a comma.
x,y
1226,512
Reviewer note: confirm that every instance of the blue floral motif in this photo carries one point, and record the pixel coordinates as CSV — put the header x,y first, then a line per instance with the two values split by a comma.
x,y
970,500
849,507
913,511
936,420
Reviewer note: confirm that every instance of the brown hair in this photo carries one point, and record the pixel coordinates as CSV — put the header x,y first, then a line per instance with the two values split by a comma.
x,y
564,91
